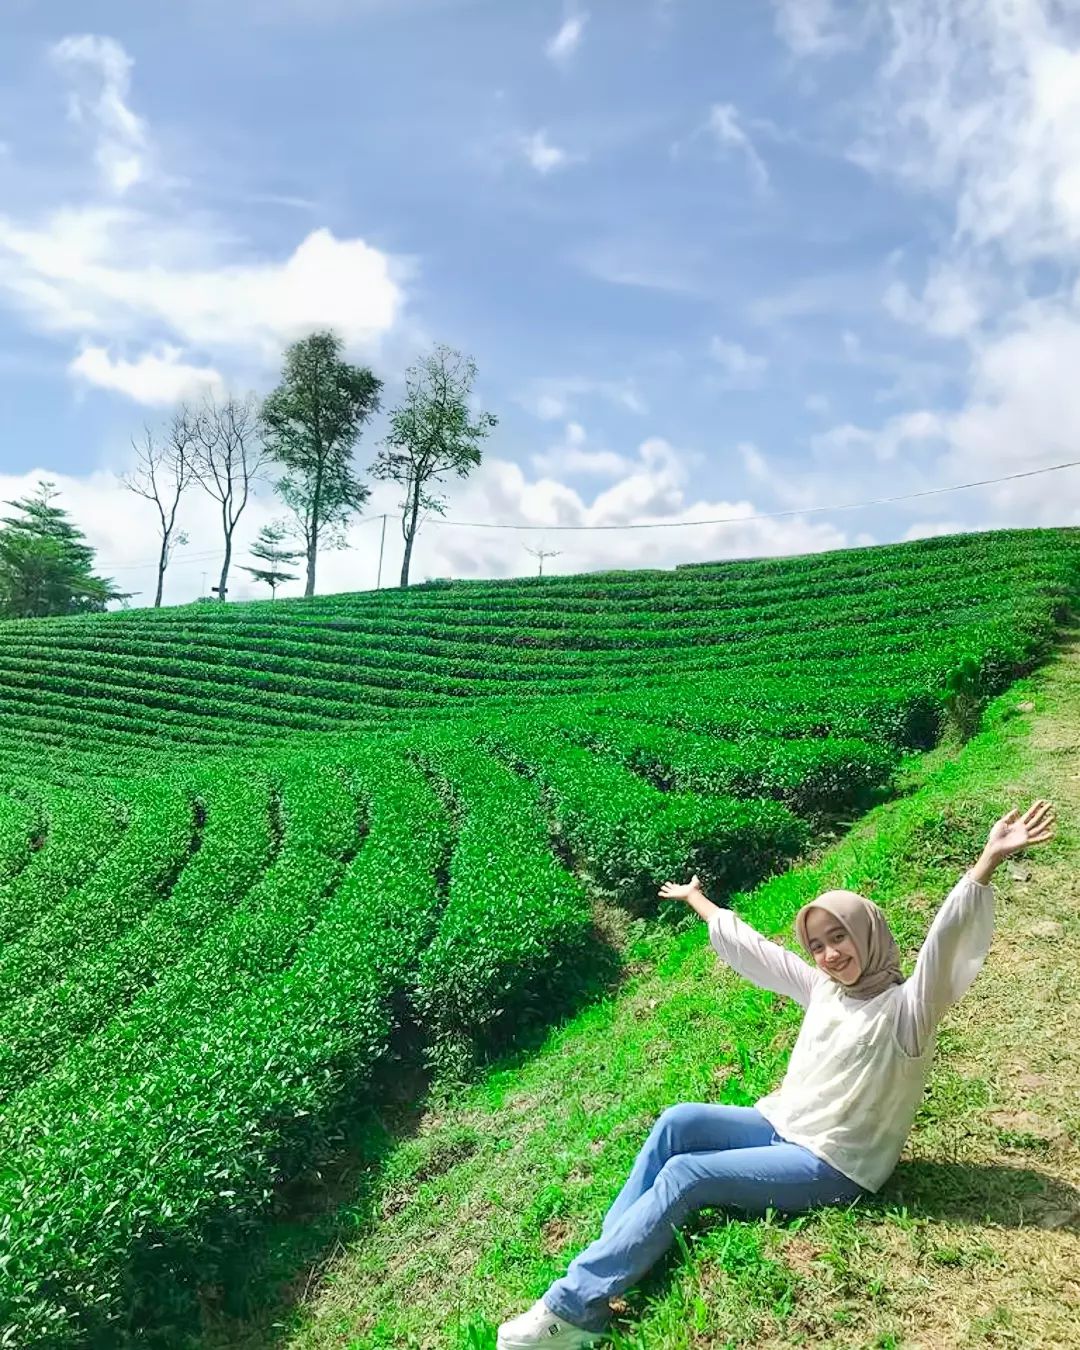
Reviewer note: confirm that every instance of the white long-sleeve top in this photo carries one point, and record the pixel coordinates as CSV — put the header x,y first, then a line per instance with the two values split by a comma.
x,y
859,1067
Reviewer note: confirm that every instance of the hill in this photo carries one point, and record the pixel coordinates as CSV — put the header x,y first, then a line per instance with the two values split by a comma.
x,y
256,858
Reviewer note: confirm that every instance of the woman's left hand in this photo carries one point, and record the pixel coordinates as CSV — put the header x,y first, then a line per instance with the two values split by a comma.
x,y
1015,831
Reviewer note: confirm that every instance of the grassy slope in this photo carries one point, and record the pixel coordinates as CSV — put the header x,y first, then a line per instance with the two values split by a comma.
x,y
976,1239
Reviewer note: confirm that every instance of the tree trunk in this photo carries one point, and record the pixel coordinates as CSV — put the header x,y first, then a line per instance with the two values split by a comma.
x,y
223,580
409,538
313,544
161,572
313,539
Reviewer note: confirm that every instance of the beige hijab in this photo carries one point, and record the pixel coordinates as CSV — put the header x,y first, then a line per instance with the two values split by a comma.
x,y
869,931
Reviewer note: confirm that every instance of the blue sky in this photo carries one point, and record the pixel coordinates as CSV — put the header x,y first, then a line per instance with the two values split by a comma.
x,y
711,259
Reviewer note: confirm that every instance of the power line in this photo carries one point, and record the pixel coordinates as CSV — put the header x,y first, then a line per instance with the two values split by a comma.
x,y
763,515
183,561
663,524
173,562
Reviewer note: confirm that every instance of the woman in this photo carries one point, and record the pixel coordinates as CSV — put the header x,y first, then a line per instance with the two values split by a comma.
x,y
838,1122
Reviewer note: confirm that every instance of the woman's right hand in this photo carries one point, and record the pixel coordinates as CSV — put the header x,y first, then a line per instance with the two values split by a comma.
x,y
670,890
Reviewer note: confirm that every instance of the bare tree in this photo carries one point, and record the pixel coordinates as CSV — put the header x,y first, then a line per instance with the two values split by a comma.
x,y
163,470
228,455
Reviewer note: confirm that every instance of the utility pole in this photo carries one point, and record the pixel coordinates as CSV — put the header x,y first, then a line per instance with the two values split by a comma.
x,y
542,554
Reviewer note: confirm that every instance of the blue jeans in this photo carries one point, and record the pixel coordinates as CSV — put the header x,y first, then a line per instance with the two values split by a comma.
x,y
696,1156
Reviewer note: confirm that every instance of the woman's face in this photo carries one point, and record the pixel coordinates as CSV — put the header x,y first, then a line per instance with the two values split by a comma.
x,y
831,947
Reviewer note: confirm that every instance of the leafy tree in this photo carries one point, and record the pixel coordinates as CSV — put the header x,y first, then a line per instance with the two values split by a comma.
x,y
162,473
228,455
46,566
269,548
312,420
431,433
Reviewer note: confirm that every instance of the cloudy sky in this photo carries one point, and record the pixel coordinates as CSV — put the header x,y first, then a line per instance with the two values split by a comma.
x,y
712,260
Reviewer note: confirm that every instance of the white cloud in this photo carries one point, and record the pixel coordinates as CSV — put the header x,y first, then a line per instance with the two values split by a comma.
x,y
979,100
110,272
952,304
753,461
792,491
725,127
99,70
1024,408
566,41
978,104
552,397
1022,413
544,157
817,403
638,261
811,27
908,431
740,368
154,378
831,294
163,278
122,529
571,457
932,529
549,407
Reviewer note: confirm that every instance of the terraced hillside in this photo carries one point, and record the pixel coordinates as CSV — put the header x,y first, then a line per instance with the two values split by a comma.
x,y
248,853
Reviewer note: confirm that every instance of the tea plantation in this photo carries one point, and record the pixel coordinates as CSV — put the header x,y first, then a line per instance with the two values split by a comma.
x,y
249,853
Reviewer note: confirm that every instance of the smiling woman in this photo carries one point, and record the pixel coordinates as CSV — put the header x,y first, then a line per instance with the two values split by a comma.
x,y
849,939
837,1124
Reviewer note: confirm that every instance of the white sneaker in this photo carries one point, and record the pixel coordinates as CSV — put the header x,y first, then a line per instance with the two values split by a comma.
x,y
540,1326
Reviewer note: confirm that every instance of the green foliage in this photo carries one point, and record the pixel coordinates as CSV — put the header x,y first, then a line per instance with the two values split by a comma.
x,y
515,926
232,849
630,835
270,549
78,828
848,657
312,421
433,432
46,566
21,834
965,699
808,776
126,884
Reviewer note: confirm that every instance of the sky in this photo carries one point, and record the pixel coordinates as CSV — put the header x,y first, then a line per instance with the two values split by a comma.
x,y
752,262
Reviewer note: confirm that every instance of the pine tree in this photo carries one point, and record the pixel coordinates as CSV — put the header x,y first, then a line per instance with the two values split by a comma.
x,y
46,566
269,548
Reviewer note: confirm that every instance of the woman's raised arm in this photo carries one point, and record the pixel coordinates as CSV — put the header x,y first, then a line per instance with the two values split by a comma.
x,y
745,950
959,937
